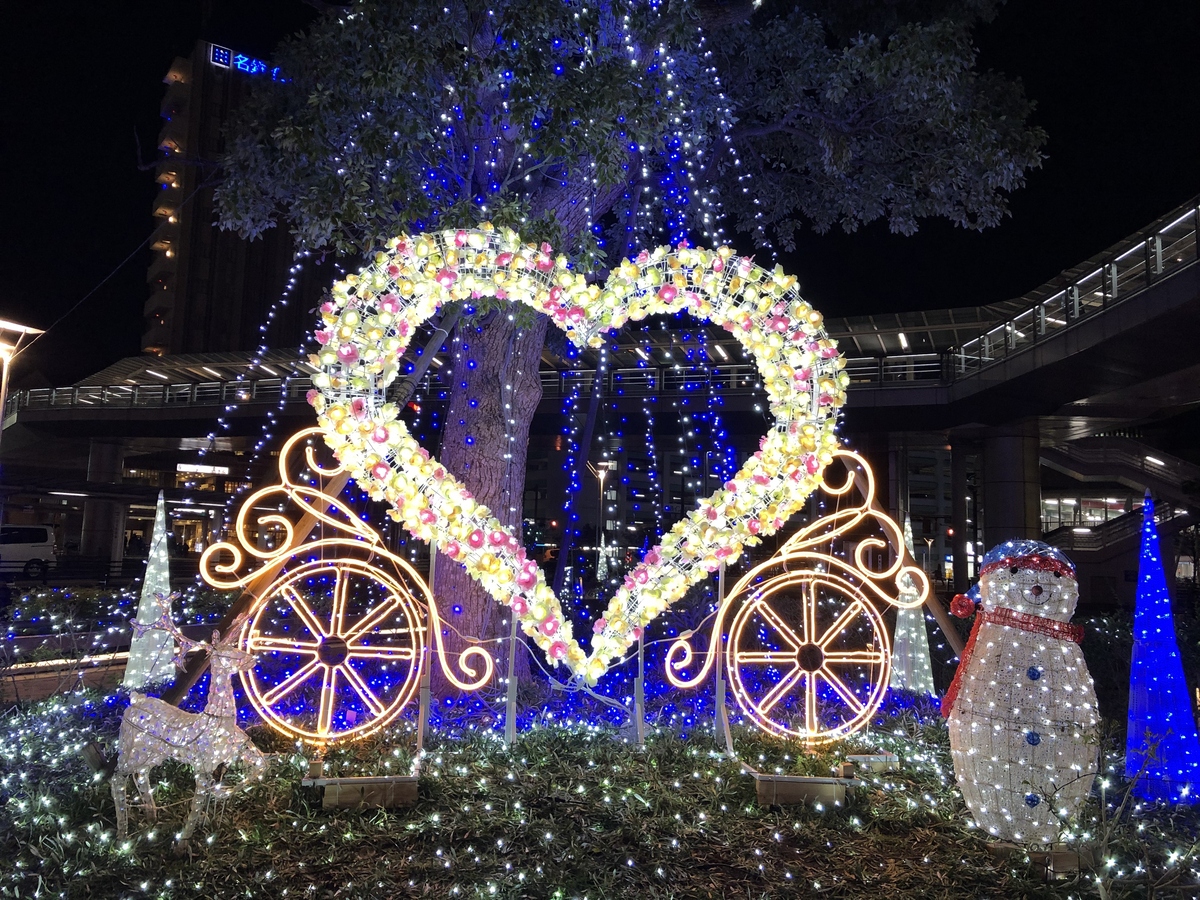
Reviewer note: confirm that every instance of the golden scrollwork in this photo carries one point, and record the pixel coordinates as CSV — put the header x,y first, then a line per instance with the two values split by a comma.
x,y
338,623
807,650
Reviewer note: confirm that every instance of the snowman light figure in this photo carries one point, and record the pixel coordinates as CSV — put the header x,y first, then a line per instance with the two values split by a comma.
x,y
1022,707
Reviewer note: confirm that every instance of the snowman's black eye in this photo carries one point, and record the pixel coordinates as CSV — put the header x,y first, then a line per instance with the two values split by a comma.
x,y
1014,570
1058,574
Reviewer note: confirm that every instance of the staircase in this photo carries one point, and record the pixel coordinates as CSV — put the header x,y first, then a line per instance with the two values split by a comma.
x,y
1131,463
1117,536
1106,555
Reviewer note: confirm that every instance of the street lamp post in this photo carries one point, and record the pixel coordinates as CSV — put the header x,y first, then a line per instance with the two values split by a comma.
x,y
12,336
600,470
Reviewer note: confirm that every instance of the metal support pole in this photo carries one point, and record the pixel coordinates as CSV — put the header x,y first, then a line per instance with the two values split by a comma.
x,y
958,514
424,700
510,697
639,694
718,648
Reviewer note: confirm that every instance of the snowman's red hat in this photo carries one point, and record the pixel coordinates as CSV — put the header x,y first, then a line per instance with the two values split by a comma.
x,y
1027,555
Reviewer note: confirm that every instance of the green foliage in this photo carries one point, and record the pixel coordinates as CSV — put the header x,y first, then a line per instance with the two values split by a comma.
x,y
400,114
54,610
899,128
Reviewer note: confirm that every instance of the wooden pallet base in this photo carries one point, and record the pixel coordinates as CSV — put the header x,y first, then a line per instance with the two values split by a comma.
x,y
791,790
381,792
1048,864
876,762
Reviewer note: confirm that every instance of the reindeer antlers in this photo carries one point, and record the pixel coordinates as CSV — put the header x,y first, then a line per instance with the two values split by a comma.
x,y
186,644
164,623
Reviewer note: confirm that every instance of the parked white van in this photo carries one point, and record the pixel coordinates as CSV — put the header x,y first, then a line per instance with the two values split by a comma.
x,y
27,550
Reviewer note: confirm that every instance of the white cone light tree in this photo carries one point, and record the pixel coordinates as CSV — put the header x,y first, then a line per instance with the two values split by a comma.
x,y
911,667
152,651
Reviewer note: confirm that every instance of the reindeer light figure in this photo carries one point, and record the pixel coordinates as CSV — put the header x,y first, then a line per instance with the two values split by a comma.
x,y
153,731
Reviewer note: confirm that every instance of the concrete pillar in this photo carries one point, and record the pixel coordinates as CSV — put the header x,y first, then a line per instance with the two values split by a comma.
x,y
898,504
104,520
1012,483
958,514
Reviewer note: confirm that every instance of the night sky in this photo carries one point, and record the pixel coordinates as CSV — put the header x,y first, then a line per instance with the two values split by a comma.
x,y
1116,83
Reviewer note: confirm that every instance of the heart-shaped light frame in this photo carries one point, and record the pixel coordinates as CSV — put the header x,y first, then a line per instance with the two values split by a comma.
x,y
370,318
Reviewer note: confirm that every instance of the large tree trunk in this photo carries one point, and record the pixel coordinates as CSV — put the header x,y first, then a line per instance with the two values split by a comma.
x,y
484,443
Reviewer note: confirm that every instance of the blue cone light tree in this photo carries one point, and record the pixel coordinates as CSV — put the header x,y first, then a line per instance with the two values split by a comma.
x,y
1162,735
911,668
152,653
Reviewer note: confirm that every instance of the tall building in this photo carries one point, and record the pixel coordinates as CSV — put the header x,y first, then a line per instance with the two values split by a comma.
x,y
209,289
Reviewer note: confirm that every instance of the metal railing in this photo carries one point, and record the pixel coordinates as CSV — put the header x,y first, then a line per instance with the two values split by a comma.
x,y
636,382
159,396
1136,264
733,379
1113,453
1122,529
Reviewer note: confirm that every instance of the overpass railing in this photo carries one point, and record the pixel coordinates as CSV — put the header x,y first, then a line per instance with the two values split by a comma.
x,y
159,396
1136,264
1123,529
635,382
1115,453
875,371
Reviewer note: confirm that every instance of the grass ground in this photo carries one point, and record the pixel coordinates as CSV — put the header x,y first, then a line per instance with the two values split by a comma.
x,y
569,811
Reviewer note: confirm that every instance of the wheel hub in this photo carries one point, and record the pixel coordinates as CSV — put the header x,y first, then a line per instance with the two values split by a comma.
x,y
811,657
332,651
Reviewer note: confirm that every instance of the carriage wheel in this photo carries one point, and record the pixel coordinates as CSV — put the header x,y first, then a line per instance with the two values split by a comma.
x,y
339,647
808,655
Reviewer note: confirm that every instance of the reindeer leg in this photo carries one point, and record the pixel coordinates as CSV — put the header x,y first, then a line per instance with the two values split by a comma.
x,y
117,783
146,793
200,798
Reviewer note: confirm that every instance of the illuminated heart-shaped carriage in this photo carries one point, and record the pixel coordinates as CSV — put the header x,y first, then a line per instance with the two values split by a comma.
x,y
355,650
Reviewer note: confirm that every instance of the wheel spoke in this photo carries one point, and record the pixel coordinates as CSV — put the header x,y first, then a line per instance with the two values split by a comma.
x,y
854,656
303,611
268,643
786,683
848,615
842,691
341,588
380,652
768,612
289,684
811,724
325,711
373,618
360,687
764,658
810,613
